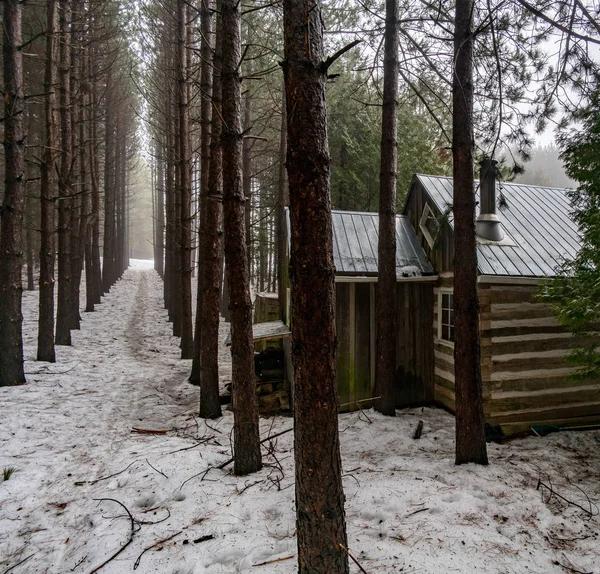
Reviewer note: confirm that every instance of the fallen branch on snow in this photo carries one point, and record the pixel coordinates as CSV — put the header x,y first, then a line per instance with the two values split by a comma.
x,y
133,531
552,492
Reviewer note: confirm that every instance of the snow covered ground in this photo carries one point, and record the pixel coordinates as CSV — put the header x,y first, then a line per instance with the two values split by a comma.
x,y
74,436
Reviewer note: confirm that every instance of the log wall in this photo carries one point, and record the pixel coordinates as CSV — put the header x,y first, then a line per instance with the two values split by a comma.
x,y
525,377
523,349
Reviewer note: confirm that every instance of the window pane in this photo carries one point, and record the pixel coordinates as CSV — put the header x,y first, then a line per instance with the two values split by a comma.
x,y
445,317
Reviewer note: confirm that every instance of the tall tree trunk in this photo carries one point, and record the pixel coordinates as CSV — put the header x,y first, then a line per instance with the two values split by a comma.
x,y
470,432
77,185
108,254
11,214
63,315
284,201
45,349
29,244
160,212
170,208
85,246
385,366
177,277
211,245
246,441
185,248
247,172
95,181
320,520
206,143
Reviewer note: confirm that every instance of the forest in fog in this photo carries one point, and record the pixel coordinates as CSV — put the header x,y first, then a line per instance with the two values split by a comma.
x,y
219,140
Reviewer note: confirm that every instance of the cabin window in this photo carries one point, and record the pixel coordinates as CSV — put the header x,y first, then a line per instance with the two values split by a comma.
x,y
429,225
446,317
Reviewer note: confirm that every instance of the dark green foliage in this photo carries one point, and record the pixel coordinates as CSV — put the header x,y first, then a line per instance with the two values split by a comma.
x,y
354,125
575,293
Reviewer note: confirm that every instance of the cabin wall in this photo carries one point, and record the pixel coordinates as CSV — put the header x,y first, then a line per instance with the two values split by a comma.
x,y
523,350
443,353
356,334
442,252
524,374
414,351
353,316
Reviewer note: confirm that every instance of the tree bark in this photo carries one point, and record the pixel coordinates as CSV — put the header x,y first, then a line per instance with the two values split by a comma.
x,y
247,173
45,349
11,213
63,315
247,456
95,182
470,432
108,248
319,493
210,232
160,211
205,153
385,367
284,201
185,249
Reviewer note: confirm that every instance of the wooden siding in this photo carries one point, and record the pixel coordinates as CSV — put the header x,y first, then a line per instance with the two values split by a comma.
x,y
524,347
355,322
414,352
525,377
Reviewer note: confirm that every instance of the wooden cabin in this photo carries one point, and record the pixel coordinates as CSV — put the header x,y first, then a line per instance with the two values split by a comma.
x,y
524,234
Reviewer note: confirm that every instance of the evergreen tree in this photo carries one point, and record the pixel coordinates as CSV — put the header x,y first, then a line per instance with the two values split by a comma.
x,y
575,293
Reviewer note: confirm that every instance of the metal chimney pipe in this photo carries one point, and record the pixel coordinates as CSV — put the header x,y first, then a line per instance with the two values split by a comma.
x,y
488,224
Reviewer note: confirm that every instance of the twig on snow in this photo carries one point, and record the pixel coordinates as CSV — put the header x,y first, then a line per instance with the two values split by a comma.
x,y
352,557
156,521
111,475
554,493
156,469
276,560
570,567
158,543
199,443
133,531
18,563
230,460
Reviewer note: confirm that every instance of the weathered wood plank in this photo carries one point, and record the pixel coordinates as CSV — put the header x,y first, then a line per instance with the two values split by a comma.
x,y
363,388
345,364
545,400
543,414
536,385
487,331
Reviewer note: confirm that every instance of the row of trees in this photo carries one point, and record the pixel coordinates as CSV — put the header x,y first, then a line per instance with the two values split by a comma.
x,y
222,129
70,141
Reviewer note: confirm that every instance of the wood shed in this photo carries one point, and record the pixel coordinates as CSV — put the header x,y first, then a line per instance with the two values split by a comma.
x,y
355,237
526,380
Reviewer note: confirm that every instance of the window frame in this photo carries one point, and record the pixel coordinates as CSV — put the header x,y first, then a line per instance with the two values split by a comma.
x,y
440,323
428,212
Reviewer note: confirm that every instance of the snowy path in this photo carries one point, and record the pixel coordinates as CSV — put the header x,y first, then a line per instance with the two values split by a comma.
x,y
409,509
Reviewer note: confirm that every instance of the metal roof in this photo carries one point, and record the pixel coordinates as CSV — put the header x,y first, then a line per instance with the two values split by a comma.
x,y
355,238
541,235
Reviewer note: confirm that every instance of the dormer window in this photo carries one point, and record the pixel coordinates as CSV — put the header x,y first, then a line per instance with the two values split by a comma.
x,y
429,225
